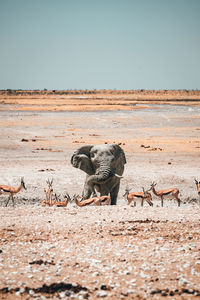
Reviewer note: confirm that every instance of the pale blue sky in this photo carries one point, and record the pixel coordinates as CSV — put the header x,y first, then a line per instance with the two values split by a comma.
x,y
100,44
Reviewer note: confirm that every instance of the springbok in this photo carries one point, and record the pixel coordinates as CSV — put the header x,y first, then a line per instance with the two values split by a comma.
x,y
48,191
171,191
95,200
198,186
6,189
57,202
145,195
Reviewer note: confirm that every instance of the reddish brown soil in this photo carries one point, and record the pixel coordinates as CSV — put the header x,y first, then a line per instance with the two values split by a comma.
x,y
91,252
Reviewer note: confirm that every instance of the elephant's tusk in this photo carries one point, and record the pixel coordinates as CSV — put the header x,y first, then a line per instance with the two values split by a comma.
x,y
118,175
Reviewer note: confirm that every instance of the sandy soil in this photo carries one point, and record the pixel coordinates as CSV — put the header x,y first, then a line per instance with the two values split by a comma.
x,y
100,252
94,100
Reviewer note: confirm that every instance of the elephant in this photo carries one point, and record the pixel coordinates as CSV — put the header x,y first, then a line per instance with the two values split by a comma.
x,y
104,166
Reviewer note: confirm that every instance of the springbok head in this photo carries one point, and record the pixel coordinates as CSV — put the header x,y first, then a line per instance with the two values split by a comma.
x,y
49,189
153,185
22,183
67,196
75,197
127,190
146,192
198,186
57,197
49,183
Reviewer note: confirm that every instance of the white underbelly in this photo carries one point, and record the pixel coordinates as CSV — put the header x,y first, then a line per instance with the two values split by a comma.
x,y
2,192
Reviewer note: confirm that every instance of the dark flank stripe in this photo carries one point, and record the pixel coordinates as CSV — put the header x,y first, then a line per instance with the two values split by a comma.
x,y
7,191
167,193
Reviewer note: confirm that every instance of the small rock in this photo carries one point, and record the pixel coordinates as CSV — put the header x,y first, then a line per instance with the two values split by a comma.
x,y
102,294
31,292
62,295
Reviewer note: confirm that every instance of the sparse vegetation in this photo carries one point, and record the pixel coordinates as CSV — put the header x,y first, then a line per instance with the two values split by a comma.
x,y
96,91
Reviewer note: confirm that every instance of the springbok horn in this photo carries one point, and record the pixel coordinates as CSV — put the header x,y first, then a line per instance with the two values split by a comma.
x,y
68,196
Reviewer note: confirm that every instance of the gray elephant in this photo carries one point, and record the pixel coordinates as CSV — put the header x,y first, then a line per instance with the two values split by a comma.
x,y
104,166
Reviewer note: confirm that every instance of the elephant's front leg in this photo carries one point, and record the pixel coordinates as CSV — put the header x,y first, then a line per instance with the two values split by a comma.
x,y
87,191
113,194
91,187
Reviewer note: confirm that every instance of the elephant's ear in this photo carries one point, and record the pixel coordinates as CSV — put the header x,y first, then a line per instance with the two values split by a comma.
x,y
81,159
119,153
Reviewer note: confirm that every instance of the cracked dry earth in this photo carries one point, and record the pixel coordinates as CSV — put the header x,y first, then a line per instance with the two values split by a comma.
x,y
119,252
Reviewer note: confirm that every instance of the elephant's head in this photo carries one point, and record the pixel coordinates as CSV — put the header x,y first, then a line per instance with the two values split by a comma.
x,y
100,162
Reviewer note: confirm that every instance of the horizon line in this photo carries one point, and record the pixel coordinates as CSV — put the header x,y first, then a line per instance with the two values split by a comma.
x,y
95,90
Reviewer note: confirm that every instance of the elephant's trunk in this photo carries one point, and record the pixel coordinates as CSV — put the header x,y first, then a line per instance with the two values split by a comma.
x,y
102,175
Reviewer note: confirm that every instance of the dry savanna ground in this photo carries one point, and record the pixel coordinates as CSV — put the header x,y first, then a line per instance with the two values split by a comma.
x,y
121,252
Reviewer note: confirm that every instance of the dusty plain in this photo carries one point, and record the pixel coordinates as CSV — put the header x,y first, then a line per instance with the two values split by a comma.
x,y
120,252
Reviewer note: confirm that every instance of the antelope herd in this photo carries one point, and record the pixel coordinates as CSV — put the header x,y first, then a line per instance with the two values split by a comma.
x,y
54,199
57,202
145,195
